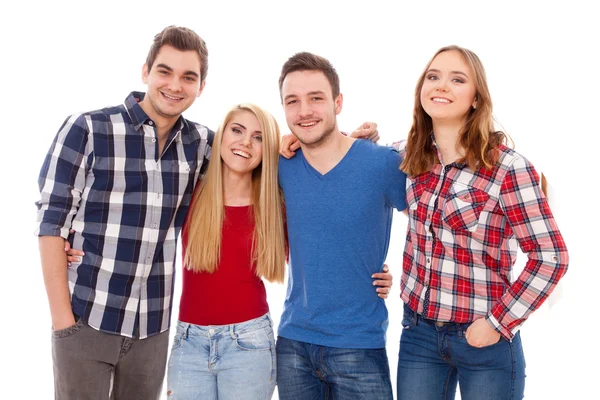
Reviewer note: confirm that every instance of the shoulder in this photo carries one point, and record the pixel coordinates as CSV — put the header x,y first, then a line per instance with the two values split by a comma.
x,y
198,130
510,159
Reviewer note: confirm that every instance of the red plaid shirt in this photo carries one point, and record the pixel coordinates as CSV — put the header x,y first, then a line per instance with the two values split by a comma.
x,y
461,244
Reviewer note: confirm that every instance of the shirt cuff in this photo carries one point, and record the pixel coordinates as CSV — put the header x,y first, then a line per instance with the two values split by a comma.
x,y
494,323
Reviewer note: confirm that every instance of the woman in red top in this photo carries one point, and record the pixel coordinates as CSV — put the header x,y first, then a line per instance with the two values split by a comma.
x,y
471,201
224,347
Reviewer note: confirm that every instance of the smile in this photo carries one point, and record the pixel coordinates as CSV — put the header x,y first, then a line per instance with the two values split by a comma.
x,y
307,124
440,100
171,97
241,153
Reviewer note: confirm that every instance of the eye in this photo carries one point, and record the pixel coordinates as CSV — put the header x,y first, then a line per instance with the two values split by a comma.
x,y
236,130
432,77
163,72
317,98
290,102
458,80
190,79
258,138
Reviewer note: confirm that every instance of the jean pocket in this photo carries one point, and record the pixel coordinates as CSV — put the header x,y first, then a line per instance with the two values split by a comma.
x,y
464,338
69,331
408,317
260,339
179,333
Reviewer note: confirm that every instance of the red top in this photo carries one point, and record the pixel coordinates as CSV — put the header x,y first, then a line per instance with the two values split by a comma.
x,y
233,293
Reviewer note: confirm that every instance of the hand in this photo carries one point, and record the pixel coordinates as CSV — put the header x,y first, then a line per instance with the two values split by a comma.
x,y
367,130
64,321
481,334
289,145
73,255
383,282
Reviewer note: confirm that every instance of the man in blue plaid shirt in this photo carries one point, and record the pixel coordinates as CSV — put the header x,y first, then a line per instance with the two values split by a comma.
x,y
122,178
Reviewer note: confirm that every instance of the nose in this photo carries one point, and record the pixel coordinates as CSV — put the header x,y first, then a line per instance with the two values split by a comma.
x,y
174,84
305,109
442,85
247,140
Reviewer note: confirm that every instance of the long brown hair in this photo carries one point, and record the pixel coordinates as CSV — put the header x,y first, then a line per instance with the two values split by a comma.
x,y
478,137
205,217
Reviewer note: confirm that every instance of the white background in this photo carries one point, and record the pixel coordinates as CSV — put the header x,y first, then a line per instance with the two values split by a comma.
x,y
61,57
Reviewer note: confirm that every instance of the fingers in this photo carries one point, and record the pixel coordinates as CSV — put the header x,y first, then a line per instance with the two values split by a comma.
x,y
289,143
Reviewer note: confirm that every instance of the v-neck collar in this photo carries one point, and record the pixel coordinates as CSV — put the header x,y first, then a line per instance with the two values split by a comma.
x,y
335,167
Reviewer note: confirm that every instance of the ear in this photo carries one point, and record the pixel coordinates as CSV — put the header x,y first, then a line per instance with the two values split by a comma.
x,y
201,88
145,73
338,104
474,105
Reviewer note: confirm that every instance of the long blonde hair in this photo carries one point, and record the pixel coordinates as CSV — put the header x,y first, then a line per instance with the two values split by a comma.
x,y
205,217
478,137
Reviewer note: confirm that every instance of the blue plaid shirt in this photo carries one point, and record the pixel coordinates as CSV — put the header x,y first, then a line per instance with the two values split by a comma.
x,y
103,177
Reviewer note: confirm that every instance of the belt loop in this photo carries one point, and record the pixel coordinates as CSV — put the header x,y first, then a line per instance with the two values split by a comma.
x,y
232,331
270,320
415,318
185,331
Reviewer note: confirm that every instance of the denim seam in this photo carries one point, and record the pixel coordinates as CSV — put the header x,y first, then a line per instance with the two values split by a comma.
x,y
512,359
446,383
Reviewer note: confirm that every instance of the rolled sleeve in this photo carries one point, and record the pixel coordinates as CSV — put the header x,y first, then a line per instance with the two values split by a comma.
x,y
62,178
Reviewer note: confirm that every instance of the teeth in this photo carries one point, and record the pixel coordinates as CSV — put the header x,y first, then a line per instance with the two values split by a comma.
x,y
307,124
241,153
440,100
171,97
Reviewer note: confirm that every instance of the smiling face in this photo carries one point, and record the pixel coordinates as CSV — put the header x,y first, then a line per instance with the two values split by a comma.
x,y
241,146
173,83
310,109
448,93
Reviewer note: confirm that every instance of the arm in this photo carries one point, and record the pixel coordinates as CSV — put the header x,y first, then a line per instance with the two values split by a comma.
x,y
533,224
61,182
54,259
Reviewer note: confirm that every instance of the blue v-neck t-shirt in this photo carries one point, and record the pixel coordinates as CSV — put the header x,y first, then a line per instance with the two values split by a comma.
x,y
339,227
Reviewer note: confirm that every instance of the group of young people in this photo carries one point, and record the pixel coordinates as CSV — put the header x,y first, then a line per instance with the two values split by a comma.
x,y
119,184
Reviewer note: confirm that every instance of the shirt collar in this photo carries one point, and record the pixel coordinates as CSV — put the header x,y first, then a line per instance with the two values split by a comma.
x,y
459,165
139,117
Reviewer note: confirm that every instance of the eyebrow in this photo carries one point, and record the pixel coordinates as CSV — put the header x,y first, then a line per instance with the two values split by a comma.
x,y
189,72
242,126
308,94
452,72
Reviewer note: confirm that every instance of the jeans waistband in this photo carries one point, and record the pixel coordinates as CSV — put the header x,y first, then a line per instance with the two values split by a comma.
x,y
230,329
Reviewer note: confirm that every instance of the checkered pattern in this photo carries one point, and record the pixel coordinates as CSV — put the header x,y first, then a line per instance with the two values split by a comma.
x,y
103,178
463,232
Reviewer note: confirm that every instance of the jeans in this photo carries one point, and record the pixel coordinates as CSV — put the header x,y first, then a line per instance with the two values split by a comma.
x,y
223,361
308,371
93,365
434,357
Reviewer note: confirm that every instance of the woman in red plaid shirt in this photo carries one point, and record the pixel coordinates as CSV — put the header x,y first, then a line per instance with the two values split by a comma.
x,y
471,202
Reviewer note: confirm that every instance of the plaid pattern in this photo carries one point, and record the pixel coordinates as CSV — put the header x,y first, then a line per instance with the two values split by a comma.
x,y
463,232
103,178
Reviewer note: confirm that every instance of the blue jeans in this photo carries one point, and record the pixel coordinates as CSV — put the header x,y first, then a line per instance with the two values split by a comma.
x,y
223,361
308,371
434,357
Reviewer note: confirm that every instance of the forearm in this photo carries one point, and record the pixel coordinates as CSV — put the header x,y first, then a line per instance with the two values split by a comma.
x,y
54,268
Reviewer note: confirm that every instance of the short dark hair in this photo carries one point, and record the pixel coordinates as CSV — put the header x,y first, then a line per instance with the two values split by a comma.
x,y
183,39
306,61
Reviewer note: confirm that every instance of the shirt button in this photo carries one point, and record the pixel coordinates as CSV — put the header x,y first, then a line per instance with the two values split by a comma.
x,y
429,261
426,284
428,216
150,123
554,258
153,140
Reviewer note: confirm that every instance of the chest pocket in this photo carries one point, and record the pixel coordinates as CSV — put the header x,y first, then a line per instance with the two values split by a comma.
x,y
463,207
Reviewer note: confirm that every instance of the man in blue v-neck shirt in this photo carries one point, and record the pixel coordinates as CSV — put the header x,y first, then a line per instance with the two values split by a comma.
x,y
339,195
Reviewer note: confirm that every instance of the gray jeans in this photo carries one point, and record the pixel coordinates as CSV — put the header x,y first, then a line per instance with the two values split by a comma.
x,y
90,365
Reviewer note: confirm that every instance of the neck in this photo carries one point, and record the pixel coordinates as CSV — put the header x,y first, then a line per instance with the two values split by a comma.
x,y
164,124
329,152
237,189
447,141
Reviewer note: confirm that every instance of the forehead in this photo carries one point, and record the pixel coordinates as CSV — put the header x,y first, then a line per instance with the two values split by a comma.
x,y
299,83
450,60
245,118
188,60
